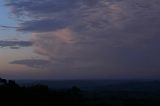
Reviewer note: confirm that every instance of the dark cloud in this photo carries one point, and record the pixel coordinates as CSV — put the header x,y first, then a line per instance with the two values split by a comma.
x,y
8,27
48,15
41,25
39,8
33,63
119,36
15,44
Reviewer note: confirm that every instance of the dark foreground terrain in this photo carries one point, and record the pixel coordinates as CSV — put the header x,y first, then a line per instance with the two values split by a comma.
x,y
133,93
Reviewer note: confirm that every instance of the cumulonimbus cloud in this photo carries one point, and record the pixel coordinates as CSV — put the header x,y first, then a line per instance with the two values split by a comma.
x,y
88,33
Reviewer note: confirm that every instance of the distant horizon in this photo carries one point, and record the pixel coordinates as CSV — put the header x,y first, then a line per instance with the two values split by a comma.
x,y
109,79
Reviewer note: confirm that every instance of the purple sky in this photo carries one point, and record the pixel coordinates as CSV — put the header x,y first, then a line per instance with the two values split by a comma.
x,y
80,39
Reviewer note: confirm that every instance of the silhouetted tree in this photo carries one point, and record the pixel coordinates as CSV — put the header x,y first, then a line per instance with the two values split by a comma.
x,y
75,90
12,83
3,81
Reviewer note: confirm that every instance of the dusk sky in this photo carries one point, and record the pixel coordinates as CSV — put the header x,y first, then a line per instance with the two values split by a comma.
x,y
80,39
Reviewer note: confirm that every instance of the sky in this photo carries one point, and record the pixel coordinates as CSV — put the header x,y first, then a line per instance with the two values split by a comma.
x,y
80,39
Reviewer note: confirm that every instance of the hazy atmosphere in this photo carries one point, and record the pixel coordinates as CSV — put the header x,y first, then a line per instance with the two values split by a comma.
x,y
80,39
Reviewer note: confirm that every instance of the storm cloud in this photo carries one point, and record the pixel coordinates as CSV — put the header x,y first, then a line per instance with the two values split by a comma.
x,y
114,36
